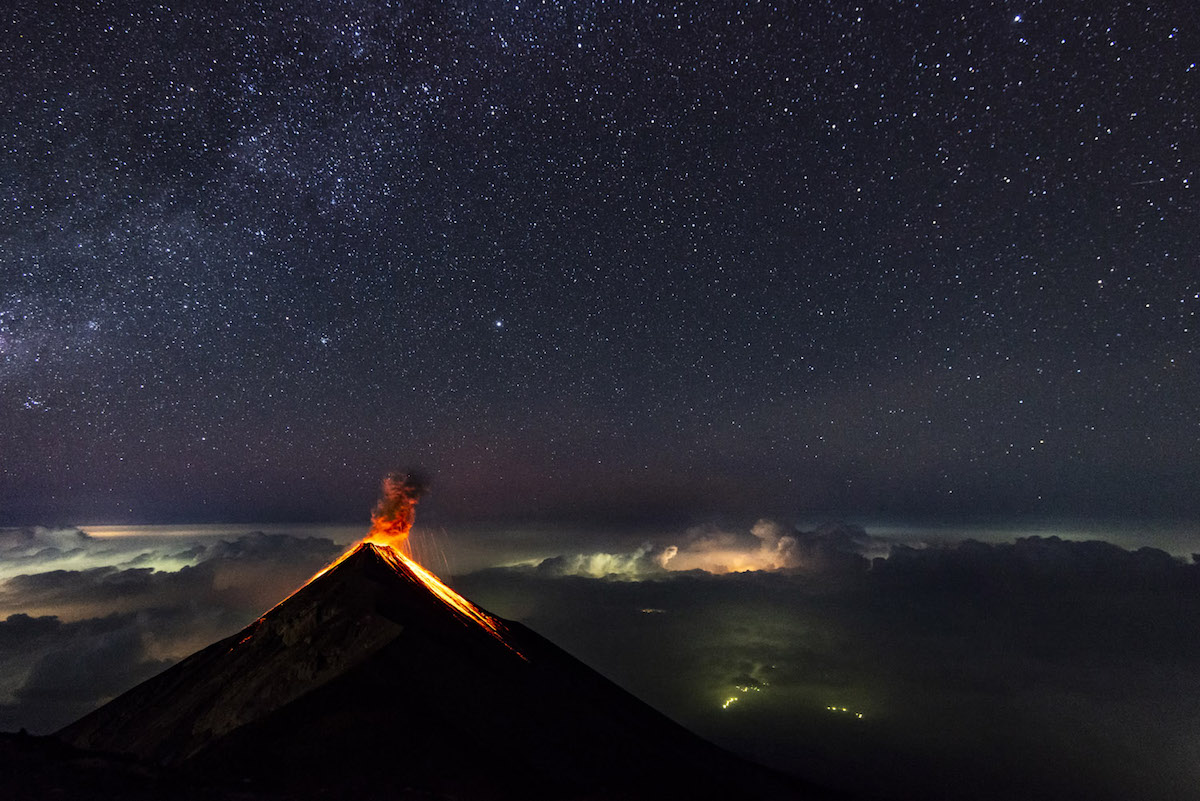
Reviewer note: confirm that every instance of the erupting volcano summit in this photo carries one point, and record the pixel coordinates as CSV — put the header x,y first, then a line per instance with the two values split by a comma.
x,y
376,678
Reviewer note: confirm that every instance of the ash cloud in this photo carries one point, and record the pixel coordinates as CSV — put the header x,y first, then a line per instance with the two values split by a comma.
x,y
396,510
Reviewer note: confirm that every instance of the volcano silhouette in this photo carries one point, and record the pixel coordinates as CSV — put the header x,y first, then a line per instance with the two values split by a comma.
x,y
366,682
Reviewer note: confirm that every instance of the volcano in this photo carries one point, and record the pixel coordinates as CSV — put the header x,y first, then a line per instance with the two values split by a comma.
x,y
376,679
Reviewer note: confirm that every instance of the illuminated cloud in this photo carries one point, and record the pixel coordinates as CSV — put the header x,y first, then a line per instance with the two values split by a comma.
x,y
38,549
644,562
835,547
24,549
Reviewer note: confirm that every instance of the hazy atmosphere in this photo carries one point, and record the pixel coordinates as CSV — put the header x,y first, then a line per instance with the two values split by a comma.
x,y
823,374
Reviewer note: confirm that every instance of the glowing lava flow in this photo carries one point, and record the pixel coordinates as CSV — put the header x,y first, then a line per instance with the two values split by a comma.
x,y
446,595
391,522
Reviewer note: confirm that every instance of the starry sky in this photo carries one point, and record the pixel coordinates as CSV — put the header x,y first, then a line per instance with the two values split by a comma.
x,y
606,261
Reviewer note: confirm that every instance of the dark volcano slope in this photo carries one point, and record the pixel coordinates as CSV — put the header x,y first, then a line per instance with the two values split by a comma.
x,y
366,682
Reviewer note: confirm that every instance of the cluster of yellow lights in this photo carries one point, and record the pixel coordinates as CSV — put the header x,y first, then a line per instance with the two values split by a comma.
x,y
843,710
733,699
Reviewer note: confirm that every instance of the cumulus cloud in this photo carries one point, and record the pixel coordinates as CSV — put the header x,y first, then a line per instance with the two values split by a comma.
x,y
251,570
648,560
22,548
54,672
833,547
1030,562
36,549
767,545
19,542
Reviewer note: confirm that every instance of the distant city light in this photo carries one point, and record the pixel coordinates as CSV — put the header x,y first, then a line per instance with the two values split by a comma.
x,y
841,710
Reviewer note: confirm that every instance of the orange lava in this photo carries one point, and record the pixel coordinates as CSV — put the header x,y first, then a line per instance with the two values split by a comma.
x,y
391,522
459,604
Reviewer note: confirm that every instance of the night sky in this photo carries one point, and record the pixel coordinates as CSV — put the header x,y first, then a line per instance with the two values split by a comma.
x,y
598,261
719,330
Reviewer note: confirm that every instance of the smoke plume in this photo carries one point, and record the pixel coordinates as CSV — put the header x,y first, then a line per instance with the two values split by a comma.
x,y
395,512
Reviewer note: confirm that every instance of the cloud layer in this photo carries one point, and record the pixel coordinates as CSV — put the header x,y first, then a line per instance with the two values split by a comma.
x,y
1039,668
767,545
70,639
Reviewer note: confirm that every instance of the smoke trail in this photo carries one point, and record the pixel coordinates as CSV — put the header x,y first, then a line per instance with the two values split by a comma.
x,y
395,511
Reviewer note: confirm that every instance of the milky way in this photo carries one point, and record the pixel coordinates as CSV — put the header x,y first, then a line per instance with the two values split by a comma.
x,y
597,259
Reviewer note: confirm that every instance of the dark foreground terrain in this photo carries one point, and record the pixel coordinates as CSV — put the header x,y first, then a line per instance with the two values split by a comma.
x,y
44,768
369,683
